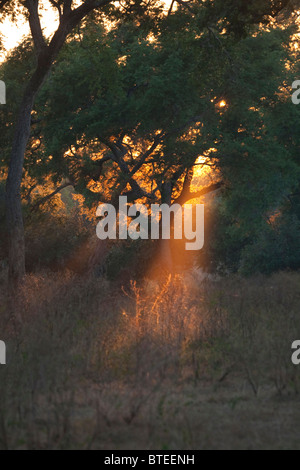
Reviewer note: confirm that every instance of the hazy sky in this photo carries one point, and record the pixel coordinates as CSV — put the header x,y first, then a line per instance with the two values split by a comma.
x,y
13,33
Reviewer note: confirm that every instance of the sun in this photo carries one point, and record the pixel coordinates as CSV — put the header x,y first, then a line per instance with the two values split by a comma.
x,y
222,104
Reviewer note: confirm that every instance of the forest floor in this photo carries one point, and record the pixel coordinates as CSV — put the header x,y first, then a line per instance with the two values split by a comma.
x,y
188,363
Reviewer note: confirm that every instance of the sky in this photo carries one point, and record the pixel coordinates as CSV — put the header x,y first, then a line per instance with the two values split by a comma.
x,y
13,33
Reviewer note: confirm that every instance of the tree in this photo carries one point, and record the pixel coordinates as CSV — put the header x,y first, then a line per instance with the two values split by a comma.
x,y
45,56
46,53
171,173
136,124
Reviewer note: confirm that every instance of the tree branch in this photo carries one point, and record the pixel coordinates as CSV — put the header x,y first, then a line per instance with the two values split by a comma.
x,y
230,60
3,3
183,198
84,9
35,25
67,7
57,6
146,154
186,4
171,8
69,19
49,196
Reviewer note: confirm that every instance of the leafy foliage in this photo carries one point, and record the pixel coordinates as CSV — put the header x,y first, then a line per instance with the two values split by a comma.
x,y
129,110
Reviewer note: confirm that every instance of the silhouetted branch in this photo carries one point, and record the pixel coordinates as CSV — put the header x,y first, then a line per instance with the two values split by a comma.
x,y
49,196
183,198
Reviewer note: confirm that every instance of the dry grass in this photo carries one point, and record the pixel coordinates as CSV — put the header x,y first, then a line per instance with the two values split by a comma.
x,y
189,363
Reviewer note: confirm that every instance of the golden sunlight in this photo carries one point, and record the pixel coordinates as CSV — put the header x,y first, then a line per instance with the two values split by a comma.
x,y
13,33
222,104
199,167
202,167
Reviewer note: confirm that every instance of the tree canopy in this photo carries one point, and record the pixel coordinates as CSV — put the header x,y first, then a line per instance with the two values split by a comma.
x,y
133,107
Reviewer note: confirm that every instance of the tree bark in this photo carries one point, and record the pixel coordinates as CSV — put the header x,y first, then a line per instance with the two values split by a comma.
x,y
14,217
15,228
46,55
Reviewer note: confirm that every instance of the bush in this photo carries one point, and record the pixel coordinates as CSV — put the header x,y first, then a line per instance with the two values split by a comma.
x,y
276,248
51,240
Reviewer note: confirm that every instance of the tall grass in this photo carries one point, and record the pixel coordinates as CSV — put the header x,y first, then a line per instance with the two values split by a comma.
x,y
181,363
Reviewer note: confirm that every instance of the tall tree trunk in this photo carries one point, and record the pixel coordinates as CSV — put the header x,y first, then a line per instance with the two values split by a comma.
x,y
14,217
15,228
46,54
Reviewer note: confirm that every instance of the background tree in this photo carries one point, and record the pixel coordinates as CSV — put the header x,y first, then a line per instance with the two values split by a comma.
x,y
144,101
138,127
46,53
